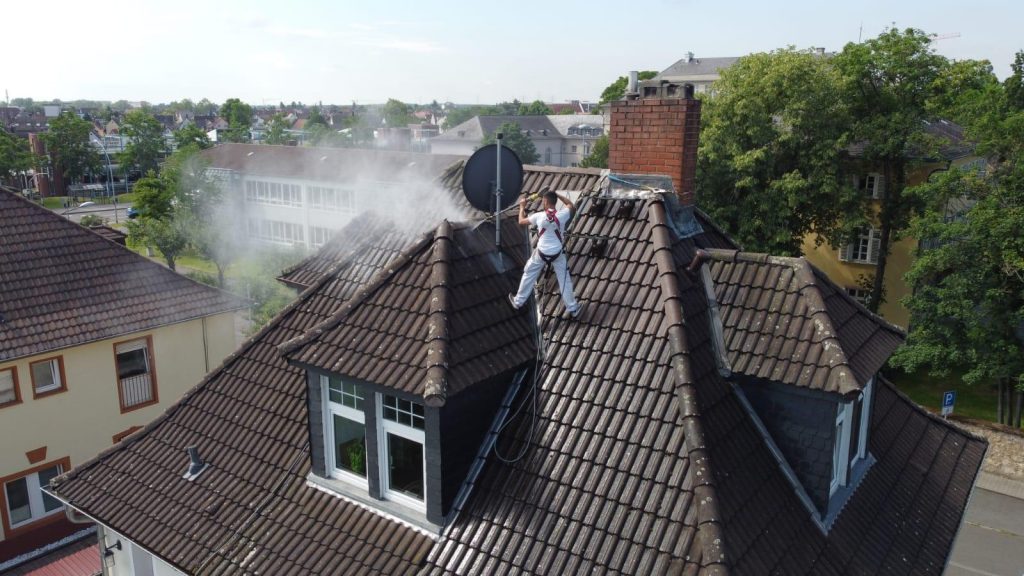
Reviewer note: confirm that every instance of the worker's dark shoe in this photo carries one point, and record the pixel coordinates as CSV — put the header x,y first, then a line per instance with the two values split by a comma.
x,y
512,301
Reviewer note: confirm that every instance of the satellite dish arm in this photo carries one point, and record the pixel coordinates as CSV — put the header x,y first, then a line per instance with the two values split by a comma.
x,y
523,219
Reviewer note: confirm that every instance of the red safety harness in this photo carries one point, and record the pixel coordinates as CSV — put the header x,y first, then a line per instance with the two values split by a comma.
x,y
552,218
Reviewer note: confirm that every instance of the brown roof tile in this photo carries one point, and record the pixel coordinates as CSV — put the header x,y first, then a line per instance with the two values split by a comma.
x,y
63,285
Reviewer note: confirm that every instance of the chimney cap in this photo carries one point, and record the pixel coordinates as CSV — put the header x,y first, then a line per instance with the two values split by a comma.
x,y
689,57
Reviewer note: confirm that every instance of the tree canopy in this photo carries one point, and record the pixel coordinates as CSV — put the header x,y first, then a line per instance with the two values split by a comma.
x,y
535,108
67,142
146,145
598,157
769,164
518,142
238,115
191,135
276,130
617,90
15,155
397,113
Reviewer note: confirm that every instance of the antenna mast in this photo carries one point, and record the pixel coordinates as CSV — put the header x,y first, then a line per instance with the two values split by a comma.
x,y
497,195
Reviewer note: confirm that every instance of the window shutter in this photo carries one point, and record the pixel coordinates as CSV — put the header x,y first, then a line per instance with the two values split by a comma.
x,y
846,253
874,246
879,190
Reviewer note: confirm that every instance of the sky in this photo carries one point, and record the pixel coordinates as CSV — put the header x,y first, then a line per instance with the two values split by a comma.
x,y
480,51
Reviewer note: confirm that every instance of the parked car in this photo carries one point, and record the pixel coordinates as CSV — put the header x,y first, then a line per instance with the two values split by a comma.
x,y
133,213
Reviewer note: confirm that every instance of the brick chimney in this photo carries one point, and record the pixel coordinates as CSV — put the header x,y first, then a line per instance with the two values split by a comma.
x,y
656,133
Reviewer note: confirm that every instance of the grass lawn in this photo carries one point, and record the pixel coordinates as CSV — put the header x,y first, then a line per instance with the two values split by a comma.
x,y
971,401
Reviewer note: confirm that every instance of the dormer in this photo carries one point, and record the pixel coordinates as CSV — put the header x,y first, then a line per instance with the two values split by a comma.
x,y
405,381
803,356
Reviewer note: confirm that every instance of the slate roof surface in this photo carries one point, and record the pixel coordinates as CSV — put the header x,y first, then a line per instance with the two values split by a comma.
x,y
784,320
641,457
328,164
62,285
251,511
435,322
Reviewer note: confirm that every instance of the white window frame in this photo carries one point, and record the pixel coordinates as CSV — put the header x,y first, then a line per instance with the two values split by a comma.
x,y
870,240
841,447
384,428
13,379
332,409
865,420
37,510
877,184
859,294
132,346
58,383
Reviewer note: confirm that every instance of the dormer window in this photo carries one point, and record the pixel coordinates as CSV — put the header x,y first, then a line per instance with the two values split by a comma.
x,y
850,439
403,469
345,431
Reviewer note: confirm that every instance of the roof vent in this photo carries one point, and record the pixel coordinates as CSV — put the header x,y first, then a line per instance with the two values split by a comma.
x,y
689,57
250,153
196,466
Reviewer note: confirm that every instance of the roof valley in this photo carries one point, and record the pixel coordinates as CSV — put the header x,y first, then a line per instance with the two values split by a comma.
x,y
709,527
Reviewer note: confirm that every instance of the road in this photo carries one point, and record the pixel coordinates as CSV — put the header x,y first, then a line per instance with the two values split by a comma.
x,y
991,540
104,210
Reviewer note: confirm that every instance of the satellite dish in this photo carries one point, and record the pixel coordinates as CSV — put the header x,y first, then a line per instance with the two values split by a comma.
x,y
480,176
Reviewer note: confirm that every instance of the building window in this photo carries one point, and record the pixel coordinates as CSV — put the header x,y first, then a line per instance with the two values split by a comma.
x,y
573,149
136,379
48,377
403,469
859,294
276,231
25,501
863,250
319,236
547,155
333,199
869,184
273,193
10,394
586,149
345,432
853,419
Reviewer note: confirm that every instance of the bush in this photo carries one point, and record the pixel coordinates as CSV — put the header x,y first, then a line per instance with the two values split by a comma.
x,y
90,220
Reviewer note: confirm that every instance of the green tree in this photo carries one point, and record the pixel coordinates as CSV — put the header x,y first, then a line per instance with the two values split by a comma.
x,y
191,135
1014,84
315,118
154,197
146,145
15,155
535,108
170,235
205,108
238,115
888,84
68,144
967,294
617,90
514,138
397,113
598,157
276,130
769,162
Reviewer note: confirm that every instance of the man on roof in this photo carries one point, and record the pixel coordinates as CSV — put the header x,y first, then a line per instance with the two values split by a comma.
x,y
550,225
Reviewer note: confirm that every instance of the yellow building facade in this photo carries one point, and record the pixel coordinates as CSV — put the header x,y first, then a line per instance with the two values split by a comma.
x,y
73,403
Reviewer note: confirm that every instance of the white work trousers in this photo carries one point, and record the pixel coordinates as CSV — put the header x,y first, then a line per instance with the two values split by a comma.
x,y
532,271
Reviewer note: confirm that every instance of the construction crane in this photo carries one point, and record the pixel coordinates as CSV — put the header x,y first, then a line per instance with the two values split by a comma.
x,y
946,36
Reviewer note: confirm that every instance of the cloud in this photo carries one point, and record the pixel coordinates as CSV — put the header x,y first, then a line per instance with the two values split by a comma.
x,y
272,59
293,32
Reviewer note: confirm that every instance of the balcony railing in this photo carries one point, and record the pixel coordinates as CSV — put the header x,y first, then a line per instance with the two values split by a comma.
x,y
136,390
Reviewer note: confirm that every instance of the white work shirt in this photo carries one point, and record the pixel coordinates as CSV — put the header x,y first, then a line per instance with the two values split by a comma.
x,y
548,242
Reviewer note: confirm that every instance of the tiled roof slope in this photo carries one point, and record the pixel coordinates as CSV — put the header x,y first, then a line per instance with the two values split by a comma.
x,y
62,285
251,511
435,321
535,179
643,460
784,320
616,478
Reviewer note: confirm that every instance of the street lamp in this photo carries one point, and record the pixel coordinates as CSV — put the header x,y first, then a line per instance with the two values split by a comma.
x,y
110,173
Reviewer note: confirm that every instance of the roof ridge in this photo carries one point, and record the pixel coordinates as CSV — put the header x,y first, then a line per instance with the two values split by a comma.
x,y
435,389
709,519
375,283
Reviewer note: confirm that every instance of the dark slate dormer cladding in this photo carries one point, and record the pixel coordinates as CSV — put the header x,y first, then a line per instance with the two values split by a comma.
x,y
430,327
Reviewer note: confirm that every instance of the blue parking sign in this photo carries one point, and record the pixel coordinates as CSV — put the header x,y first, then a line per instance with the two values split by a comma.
x,y
948,400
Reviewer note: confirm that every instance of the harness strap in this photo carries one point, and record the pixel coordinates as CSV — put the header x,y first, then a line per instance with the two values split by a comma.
x,y
552,217
548,259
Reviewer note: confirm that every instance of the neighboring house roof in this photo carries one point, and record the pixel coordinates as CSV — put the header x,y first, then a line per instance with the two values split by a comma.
x,y
434,322
62,285
328,164
641,457
81,558
784,320
946,141
690,68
